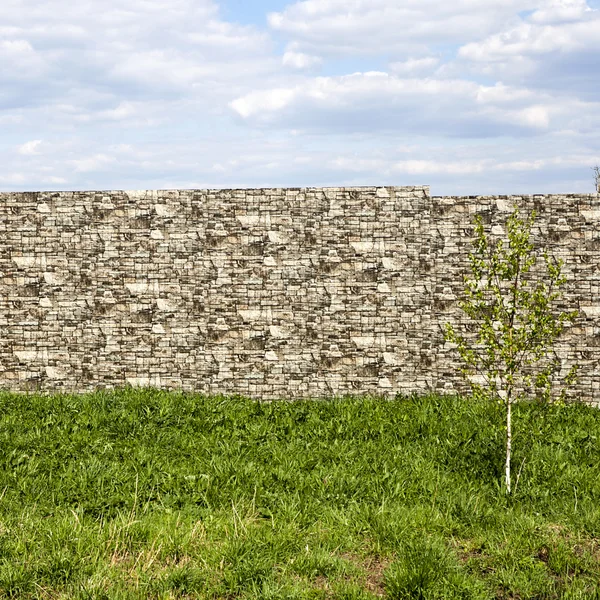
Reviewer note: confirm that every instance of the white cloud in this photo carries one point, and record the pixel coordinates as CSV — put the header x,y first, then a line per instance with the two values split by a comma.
x,y
29,148
129,53
534,116
414,66
20,61
528,39
428,167
161,67
299,60
10,119
92,163
13,179
54,180
560,11
263,102
503,94
441,166
228,37
548,54
16,48
124,110
339,27
381,102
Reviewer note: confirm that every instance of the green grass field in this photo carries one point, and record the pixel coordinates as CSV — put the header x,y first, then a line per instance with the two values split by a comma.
x,y
149,494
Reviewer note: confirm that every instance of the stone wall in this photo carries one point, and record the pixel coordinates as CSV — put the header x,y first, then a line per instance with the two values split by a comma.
x,y
268,293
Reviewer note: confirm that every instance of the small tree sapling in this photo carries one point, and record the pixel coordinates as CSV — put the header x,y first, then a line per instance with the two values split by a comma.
x,y
516,321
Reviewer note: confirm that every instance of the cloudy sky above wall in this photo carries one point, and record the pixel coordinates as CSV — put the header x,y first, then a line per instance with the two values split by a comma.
x,y
469,96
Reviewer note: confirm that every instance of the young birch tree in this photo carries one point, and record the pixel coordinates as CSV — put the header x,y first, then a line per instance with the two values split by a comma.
x,y
597,177
517,322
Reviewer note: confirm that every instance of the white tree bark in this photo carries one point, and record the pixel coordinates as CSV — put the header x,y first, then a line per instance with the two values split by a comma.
x,y
508,443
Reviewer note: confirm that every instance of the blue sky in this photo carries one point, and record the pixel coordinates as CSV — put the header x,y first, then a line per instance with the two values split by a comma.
x,y
469,97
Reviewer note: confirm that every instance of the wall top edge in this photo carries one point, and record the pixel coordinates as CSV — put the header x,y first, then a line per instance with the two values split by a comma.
x,y
278,190
424,188
520,196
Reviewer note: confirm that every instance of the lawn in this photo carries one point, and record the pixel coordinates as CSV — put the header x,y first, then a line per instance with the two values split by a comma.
x,y
149,494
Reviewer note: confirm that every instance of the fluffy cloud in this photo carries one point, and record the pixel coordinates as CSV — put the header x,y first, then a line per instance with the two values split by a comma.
x,y
339,27
553,50
560,11
92,163
415,66
29,148
125,52
20,61
378,101
299,60
530,39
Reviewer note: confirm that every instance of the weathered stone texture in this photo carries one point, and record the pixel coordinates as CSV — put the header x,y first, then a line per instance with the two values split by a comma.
x,y
269,293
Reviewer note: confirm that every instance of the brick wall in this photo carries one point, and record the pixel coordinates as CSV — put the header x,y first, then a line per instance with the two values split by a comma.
x,y
269,293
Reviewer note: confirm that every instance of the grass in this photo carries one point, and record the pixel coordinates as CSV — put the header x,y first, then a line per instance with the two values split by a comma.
x,y
149,494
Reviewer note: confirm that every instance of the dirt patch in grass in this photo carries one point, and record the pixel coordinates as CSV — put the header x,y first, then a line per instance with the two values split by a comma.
x,y
467,550
579,545
322,583
374,568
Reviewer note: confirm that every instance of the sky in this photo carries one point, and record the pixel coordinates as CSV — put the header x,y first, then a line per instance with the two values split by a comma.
x,y
469,97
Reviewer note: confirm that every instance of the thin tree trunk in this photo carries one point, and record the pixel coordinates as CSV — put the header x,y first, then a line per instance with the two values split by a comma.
x,y
508,442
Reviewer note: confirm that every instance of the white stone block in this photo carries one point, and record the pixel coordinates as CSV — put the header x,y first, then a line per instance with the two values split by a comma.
x,y
137,288
504,205
591,311
26,355
336,306
389,263
363,341
250,314
135,194
24,261
278,332
55,372
363,246
277,237
163,304
248,220
138,381
389,358
254,375
53,278
590,215
162,210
